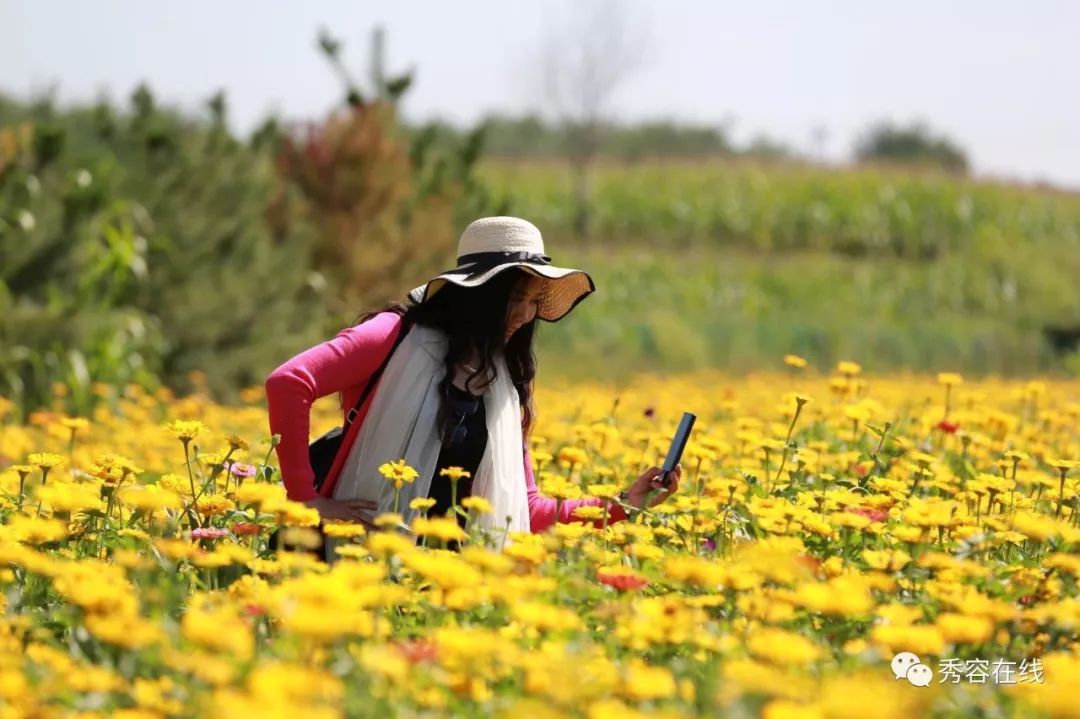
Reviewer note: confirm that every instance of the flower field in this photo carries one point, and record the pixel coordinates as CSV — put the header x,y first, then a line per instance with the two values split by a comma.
x,y
826,522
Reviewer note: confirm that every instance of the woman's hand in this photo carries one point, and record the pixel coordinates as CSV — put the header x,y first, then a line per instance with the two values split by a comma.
x,y
650,481
348,510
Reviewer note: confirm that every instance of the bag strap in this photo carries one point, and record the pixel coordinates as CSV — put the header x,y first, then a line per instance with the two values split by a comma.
x,y
402,331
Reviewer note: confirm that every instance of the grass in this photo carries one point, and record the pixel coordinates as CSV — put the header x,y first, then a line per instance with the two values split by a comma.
x,y
742,311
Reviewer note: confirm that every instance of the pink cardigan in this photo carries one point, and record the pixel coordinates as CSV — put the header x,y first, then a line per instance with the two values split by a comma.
x,y
345,364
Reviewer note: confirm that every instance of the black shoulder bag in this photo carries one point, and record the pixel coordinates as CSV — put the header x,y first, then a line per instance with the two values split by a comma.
x,y
323,451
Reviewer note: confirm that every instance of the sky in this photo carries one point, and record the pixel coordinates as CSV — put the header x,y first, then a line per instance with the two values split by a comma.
x,y
997,77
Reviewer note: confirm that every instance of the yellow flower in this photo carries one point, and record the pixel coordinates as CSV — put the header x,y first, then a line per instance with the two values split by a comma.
x,y
454,473
34,530
890,560
112,468
75,424
949,379
573,456
917,638
185,430
1061,465
542,458
964,629
236,442
343,529
545,617
477,504
68,498
849,369
642,682
559,488
398,472
870,695
217,628
384,662
21,469
782,647
843,596
850,520
589,512
787,709
794,361
388,519
45,460
444,528
644,551
215,504
604,491
1036,526
422,504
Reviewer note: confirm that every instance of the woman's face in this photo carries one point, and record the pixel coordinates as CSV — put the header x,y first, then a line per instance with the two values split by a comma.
x,y
523,303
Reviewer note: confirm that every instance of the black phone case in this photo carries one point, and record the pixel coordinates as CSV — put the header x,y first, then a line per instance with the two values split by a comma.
x,y
678,444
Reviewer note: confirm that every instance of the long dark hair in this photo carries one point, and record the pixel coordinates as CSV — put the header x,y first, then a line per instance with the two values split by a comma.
x,y
476,317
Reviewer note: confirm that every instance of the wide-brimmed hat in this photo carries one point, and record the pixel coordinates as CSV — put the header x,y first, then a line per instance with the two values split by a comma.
x,y
492,245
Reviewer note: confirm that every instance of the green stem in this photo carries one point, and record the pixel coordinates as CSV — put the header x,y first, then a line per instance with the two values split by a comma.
x,y
193,518
881,443
44,477
1061,493
22,489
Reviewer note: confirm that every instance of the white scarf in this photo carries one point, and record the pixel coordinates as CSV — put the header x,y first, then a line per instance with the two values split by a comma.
x,y
401,425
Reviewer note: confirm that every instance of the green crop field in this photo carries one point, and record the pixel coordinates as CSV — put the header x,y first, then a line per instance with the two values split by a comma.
x,y
732,265
778,207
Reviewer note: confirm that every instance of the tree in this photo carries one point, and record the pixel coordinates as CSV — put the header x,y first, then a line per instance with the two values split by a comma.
x,y
915,144
134,248
386,203
583,62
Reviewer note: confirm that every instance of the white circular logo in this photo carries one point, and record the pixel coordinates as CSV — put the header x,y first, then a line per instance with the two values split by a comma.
x,y
906,665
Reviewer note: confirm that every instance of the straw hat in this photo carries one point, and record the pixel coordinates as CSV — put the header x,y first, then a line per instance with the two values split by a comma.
x,y
493,244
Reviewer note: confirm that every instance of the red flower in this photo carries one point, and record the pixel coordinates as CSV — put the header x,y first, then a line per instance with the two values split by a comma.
x,y
812,563
418,651
254,610
948,427
624,582
246,528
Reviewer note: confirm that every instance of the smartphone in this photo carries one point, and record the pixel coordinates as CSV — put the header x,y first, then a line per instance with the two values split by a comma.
x,y
678,444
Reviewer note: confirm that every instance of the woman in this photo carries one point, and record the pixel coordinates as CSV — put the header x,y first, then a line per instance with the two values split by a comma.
x,y
457,391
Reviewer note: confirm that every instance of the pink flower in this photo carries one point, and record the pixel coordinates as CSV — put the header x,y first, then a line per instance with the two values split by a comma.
x,y
208,533
418,650
874,515
240,469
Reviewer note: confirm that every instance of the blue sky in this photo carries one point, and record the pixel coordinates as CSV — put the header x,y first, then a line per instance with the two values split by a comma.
x,y
999,77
